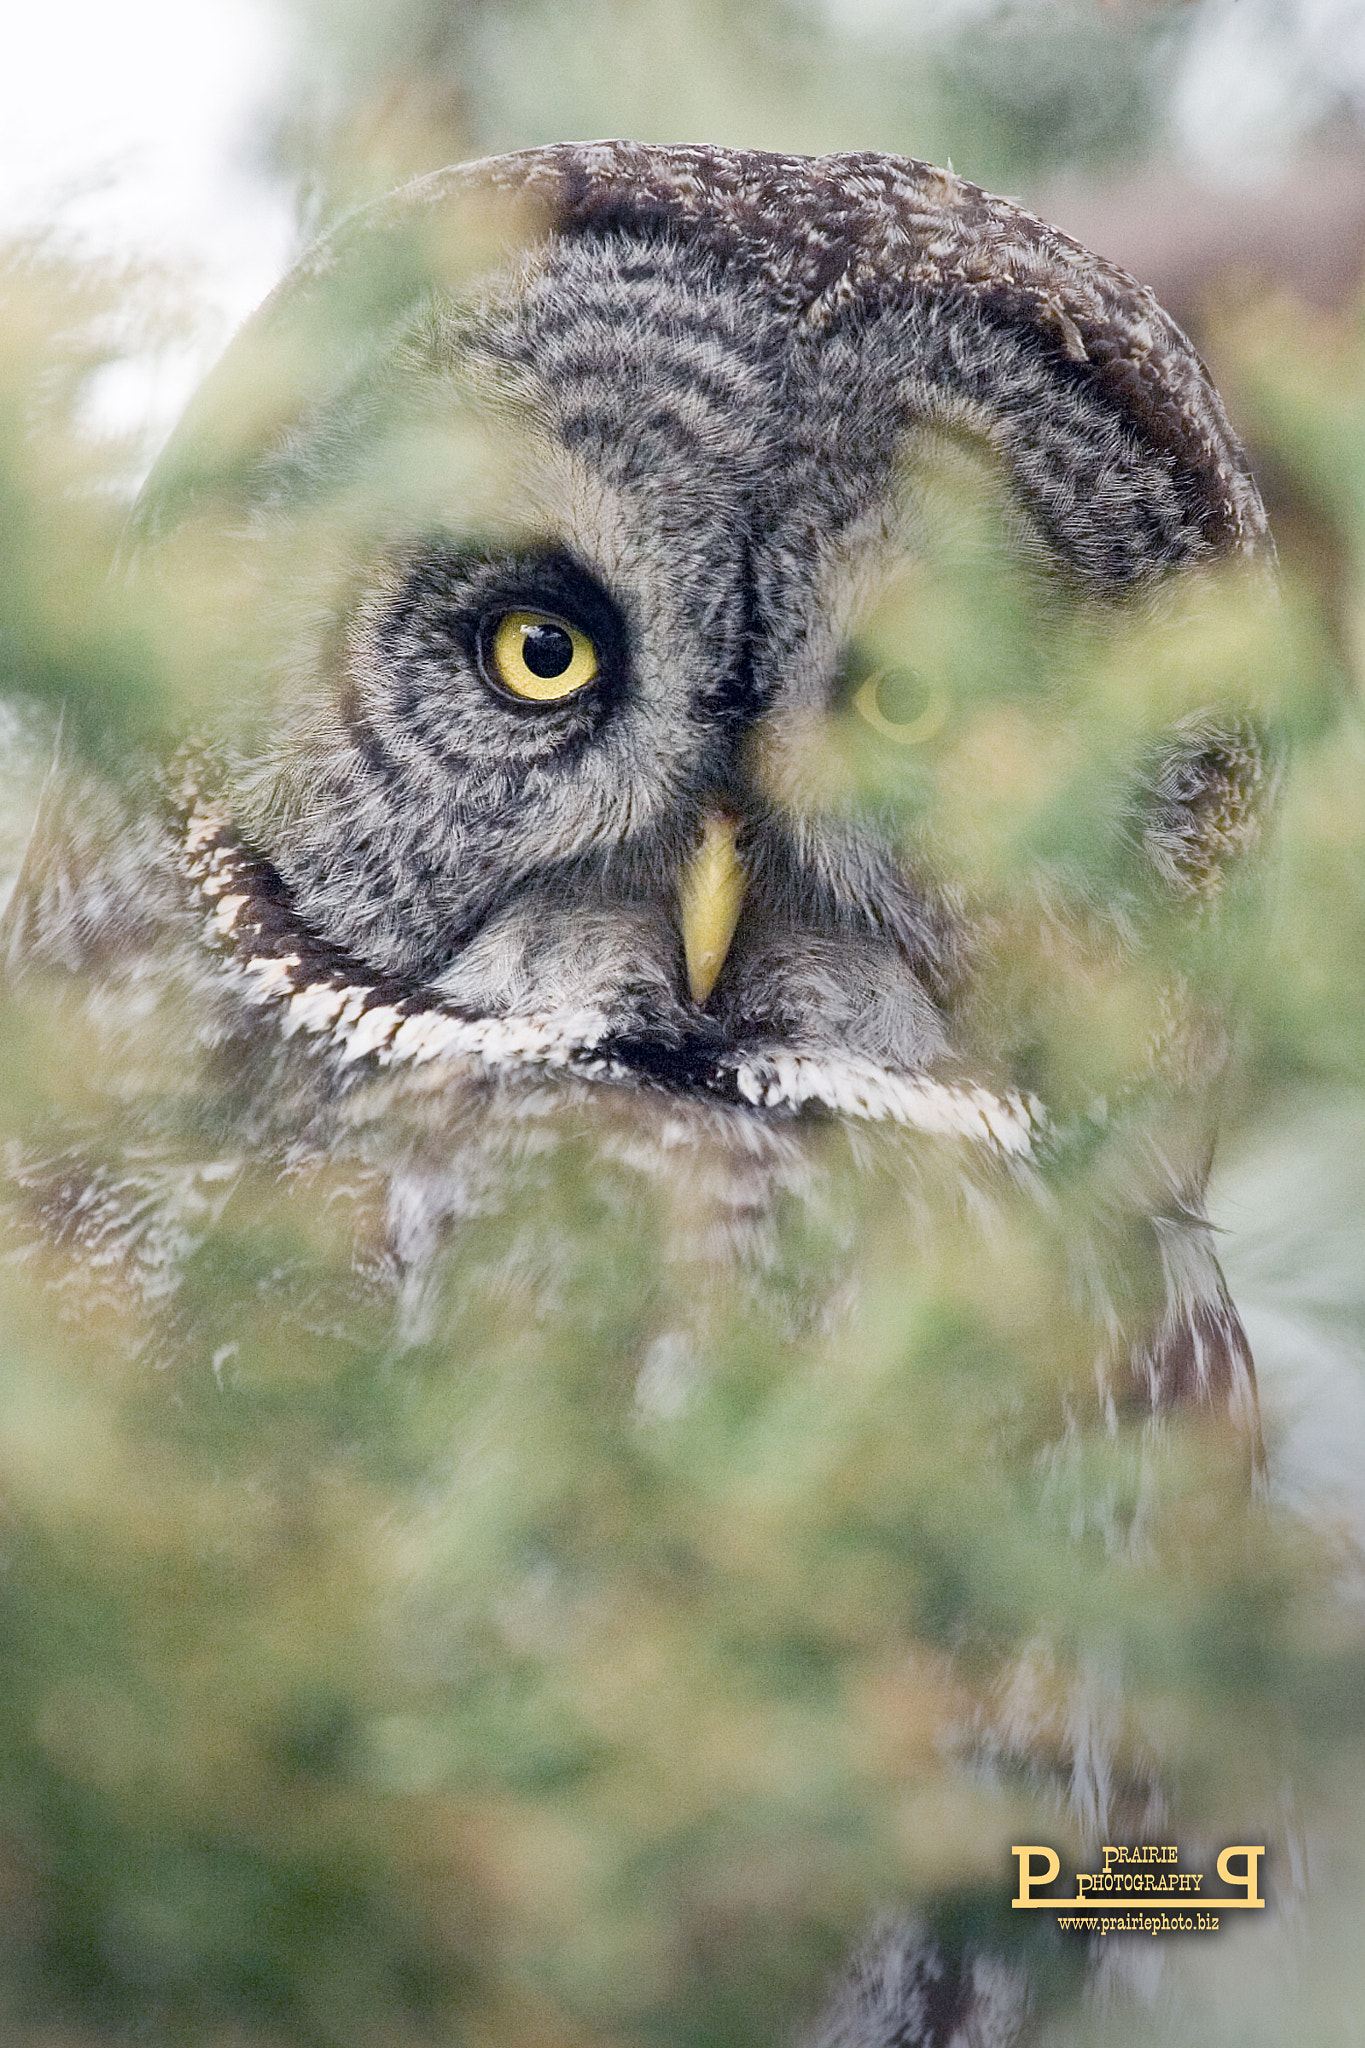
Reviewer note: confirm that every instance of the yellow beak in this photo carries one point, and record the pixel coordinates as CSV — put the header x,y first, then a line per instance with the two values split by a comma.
x,y
710,895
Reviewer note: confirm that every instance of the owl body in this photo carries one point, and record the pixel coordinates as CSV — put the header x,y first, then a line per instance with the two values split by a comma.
x,y
564,551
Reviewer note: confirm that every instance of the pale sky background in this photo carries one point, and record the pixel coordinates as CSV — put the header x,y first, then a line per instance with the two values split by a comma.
x,y
131,123
136,116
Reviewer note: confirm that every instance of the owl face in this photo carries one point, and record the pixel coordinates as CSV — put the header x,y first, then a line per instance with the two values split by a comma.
x,y
582,588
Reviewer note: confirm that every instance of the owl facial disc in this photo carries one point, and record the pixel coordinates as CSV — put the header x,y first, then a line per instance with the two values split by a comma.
x,y
543,555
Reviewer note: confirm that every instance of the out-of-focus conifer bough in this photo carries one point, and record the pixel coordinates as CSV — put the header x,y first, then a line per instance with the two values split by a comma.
x,y
447,1650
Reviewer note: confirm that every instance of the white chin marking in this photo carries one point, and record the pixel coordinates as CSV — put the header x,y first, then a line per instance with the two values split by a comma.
x,y
357,1021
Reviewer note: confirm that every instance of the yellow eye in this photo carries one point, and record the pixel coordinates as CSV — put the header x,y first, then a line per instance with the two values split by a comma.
x,y
540,657
902,706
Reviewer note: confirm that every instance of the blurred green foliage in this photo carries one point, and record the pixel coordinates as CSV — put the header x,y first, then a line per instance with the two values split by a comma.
x,y
1004,90
585,1650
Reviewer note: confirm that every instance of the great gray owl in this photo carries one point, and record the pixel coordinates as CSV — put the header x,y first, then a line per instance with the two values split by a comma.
x,y
558,557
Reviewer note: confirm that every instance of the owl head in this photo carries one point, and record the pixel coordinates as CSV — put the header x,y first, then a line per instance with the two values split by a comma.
x,y
637,584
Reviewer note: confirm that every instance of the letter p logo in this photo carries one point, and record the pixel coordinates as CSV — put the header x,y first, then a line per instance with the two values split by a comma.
x,y
1029,1877
1251,1870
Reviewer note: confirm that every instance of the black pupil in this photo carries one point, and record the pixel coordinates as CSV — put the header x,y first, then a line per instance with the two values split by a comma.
x,y
547,651
902,696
